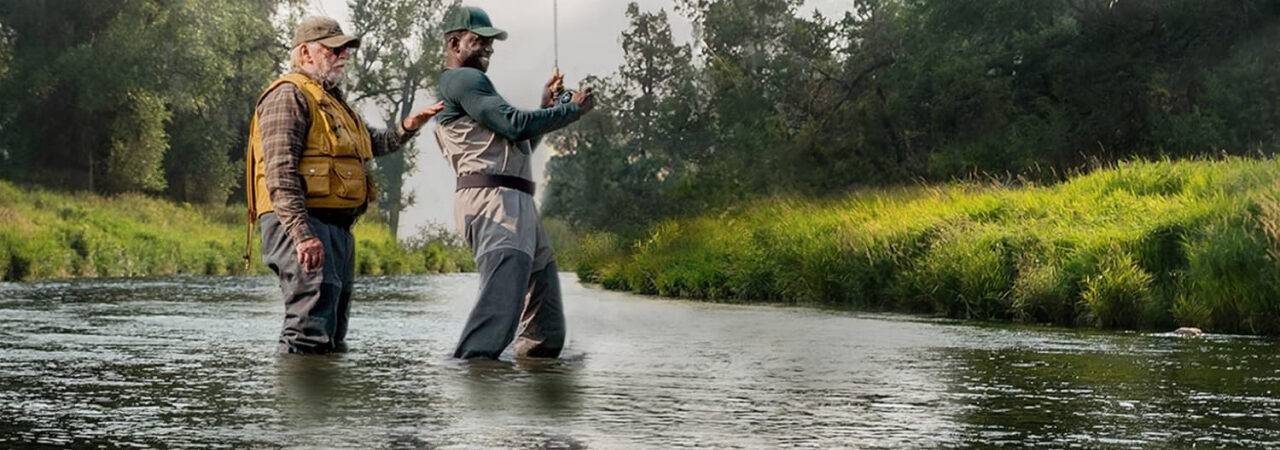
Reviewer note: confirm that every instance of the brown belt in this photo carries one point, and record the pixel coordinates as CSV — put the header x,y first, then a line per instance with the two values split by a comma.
x,y
484,180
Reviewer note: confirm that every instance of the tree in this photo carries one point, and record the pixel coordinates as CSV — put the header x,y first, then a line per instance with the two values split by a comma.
x,y
612,167
101,92
904,90
400,58
209,139
6,109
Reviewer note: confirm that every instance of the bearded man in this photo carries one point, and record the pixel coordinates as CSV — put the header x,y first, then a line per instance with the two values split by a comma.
x,y
307,183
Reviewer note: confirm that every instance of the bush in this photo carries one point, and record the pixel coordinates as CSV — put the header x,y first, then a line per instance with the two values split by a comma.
x,y
1141,244
52,235
1118,295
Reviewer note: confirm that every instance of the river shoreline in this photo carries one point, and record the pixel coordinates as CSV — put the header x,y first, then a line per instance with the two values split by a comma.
x,y
1143,245
55,235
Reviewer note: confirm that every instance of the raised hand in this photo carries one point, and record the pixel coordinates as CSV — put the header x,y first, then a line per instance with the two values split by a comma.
x,y
417,119
553,87
585,99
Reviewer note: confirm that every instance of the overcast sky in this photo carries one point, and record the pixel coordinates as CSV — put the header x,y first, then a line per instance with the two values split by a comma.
x,y
589,45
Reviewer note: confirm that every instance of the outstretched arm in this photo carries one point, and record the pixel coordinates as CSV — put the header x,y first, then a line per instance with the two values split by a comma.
x,y
471,91
390,140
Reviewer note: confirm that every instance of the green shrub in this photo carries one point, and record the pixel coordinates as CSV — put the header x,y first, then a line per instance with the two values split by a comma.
x,y
1232,274
1118,294
967,274
1040,294
8,252
54,235
1191,313
1141,244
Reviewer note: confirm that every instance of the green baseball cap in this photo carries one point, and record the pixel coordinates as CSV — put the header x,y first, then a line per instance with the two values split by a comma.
x,y
472,19
324,30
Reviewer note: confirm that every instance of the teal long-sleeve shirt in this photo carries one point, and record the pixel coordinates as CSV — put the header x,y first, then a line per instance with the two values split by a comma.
x,y
467,91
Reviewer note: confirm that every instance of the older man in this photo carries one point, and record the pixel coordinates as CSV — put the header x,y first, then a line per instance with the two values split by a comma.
x,y
307,183
489,144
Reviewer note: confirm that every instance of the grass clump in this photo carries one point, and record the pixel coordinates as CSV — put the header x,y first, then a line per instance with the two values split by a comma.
x,y
48,234
1144,244
1118,295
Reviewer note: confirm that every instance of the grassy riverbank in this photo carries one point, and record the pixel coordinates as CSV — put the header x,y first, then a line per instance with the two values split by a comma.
x,y
46,234
1141,245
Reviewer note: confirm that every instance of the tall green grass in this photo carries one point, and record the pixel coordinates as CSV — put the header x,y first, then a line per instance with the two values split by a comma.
x,y
1139,245
45,234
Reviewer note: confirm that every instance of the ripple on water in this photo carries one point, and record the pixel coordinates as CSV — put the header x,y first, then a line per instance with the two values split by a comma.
x,y
189,361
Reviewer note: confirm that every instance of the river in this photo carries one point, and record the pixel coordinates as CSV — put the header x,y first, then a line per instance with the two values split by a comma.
x,y
190,362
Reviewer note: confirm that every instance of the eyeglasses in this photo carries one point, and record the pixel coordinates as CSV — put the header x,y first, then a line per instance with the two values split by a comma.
x,y
338,51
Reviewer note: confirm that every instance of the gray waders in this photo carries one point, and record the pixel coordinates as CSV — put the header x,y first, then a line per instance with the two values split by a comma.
x,y
316,304
513,297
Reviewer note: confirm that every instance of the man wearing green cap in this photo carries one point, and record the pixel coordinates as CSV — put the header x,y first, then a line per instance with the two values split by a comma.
x,y
307,184
489,144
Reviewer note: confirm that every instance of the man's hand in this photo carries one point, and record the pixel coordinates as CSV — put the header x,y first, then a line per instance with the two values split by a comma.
x,y
554,86
417,119
311,254
585,100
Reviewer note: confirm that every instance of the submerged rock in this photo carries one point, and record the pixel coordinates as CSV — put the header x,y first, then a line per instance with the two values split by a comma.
x,y
1188,331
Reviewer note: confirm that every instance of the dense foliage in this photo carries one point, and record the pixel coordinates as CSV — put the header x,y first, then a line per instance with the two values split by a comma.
x,y
133,96
48,234
155,96
1140,245
146,98
766,102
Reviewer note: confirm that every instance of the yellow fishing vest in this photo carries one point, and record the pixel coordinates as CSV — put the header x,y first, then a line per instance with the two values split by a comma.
x,y
333,163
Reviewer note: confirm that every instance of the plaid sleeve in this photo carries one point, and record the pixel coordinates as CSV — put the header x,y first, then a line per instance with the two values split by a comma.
x,y
283,121
387,141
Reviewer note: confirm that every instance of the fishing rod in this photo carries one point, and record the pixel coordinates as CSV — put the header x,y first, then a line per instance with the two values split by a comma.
x,y
555,32
558,92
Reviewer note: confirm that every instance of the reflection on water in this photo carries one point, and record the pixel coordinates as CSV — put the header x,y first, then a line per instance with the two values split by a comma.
x,y
191,362
1125,390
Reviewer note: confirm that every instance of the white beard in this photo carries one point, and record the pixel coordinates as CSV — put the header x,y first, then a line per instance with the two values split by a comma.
x,y
333,77
329,79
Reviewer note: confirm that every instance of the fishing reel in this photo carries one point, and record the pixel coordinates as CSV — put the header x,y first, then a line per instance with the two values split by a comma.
x,y
563,96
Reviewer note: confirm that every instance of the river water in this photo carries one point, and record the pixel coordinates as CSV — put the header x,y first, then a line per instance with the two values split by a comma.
x,y
190,362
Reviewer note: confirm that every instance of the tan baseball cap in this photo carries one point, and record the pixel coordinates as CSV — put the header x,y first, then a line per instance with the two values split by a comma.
x,y
324,30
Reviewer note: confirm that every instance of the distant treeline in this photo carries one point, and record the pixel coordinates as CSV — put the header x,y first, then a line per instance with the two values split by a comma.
x,y
767,102
156,96
135,95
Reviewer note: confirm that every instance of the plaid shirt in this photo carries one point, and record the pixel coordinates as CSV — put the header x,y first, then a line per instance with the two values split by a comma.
x,y
284,120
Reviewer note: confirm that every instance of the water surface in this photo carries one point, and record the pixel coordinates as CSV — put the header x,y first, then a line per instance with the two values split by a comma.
x,y
190,362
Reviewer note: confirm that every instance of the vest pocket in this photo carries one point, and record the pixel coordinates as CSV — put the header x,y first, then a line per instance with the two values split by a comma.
x,y
315,174
349,183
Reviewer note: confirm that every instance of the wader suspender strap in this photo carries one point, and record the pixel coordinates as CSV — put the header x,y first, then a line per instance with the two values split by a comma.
x,y
484,180
249,185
